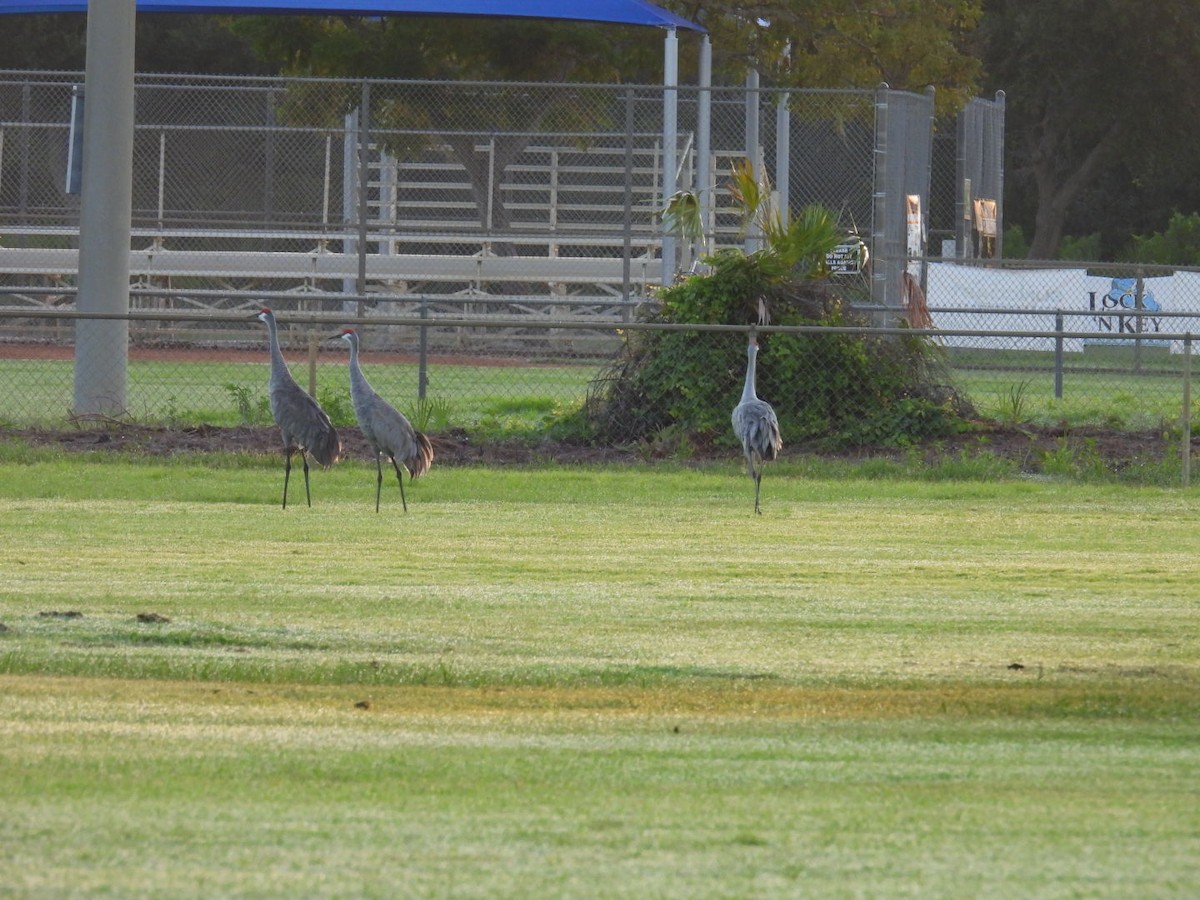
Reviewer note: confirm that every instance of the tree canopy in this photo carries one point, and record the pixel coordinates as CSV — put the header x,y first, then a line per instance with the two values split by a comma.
x,y
454,48
164,43
910,44
1101,113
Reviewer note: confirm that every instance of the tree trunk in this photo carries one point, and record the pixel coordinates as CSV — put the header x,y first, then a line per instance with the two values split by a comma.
x,y
1057,187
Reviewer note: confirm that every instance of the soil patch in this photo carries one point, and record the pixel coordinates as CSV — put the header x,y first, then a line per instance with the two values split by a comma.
x,y
1027,446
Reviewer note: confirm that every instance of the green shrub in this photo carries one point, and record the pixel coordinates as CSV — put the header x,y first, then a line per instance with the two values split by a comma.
x,y
337,406
251,410
832,387
1178,245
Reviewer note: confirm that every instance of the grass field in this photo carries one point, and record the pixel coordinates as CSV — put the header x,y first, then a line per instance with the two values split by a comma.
x,y
593,682
39,392
1109,386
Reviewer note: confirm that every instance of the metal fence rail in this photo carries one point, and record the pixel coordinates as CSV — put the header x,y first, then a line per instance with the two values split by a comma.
x,y
201,366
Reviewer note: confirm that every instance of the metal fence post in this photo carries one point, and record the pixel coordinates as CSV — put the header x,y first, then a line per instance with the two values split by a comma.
x,y
1058,356
1186,437
269,163
998,139
704,161
880,248
1139,306
783,155
626,208
314,342
752,239
24,153
423,352
364,185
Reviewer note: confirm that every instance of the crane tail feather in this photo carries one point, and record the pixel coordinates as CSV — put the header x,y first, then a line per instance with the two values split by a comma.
x,y
327,448
422,456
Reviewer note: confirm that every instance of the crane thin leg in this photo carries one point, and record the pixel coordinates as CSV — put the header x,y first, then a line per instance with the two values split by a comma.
x,y
307,495
400,478
287,472
378,479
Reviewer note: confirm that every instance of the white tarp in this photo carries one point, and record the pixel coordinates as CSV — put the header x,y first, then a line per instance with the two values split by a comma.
x,y
1006,300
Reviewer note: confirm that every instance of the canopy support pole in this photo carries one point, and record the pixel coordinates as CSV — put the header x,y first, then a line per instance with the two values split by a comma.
x,y
106,200
670,143
705,182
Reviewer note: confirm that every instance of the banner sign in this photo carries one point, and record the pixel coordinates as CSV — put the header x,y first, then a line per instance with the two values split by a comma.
x,y
975,298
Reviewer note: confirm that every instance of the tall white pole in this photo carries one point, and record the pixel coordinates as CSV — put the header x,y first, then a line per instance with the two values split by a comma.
x,y
753,152
102,345
670,143
783,156
705,182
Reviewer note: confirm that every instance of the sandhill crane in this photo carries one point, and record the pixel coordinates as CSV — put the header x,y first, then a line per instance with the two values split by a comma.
x,y
303,425
385,427
755,425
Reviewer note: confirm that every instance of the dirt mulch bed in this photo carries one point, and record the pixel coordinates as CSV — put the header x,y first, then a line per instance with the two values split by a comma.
x,y
1026,446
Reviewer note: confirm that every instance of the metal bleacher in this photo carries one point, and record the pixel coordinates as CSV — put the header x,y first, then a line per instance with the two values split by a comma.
x,y
579,237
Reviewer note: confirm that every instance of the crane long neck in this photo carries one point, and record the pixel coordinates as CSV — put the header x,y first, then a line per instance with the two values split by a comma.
x,y
356,372
278,364
751,363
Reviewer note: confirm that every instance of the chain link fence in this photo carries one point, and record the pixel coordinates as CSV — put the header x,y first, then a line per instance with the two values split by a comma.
x,y
401,188
1114,366
498,242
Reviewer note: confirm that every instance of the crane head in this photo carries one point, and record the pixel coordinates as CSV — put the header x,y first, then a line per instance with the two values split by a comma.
x,y
346,334
263,315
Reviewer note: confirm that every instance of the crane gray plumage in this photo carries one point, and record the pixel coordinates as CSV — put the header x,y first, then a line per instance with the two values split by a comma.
x,y
756,426
303,425
386,429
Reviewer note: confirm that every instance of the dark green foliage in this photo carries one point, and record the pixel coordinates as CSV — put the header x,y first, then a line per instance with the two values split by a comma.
x,y
251,410
337,406
1178,245
831,387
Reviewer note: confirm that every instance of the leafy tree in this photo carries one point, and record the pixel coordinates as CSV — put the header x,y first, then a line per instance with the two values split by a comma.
x,y
448,48
1080,248
163,43
1098,96
48,42
910,44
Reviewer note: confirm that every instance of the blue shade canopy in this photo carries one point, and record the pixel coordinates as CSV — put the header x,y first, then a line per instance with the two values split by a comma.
x,y
616,12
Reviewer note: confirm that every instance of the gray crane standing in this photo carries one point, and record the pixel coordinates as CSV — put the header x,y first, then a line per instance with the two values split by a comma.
x,y
386,429
303,425
755,424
